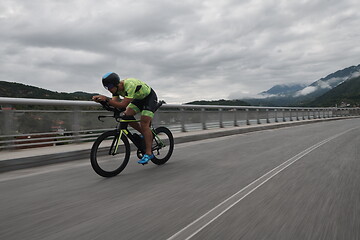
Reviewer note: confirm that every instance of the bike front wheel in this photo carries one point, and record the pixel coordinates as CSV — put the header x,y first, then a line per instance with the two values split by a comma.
x,y
163,145
110,154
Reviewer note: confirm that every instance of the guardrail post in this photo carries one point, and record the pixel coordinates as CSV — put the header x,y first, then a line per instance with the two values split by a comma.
x,y
297,115
247,116
267,116
276,118
76,123
291,119
235,118
258,116
8,127
303,114
221,118
284,119
203,118
182,111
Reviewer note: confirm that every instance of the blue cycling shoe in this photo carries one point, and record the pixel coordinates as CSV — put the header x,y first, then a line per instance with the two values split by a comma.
x,y
146,158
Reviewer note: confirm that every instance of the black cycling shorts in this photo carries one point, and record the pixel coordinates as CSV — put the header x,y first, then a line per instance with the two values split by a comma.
x,y
146,106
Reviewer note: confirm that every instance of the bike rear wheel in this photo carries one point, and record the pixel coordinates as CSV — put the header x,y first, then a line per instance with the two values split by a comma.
x,y
163,145
110,154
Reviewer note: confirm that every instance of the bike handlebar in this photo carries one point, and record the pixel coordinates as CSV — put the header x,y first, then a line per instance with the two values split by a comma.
x,y
108,107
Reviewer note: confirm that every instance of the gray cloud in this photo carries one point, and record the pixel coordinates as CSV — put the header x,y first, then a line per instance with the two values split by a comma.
x,y
186,50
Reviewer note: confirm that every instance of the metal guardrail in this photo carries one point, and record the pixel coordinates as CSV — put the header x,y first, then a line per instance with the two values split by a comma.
x,y
77,122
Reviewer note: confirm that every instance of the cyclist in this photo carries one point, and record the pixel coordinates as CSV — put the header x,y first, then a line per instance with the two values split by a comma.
x,y
137,97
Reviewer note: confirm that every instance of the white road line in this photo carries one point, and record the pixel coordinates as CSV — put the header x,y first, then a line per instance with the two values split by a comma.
x,y
199,224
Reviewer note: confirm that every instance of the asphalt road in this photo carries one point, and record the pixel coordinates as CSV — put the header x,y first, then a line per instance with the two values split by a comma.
x,y
299,182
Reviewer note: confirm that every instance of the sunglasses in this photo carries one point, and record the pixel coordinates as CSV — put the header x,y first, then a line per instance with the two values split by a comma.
x,y
108,87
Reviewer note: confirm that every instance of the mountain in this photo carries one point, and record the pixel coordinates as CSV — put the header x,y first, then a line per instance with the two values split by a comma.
x,y
345,94
297,95
283,90
12,89
323,85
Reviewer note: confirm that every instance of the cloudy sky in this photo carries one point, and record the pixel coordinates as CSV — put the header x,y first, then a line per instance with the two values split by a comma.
x,y
186,50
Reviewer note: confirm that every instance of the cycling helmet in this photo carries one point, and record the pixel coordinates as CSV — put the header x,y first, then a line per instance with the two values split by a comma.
x,y
110,80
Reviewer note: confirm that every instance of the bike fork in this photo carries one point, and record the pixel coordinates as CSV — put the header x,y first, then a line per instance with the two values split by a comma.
x,y
115,144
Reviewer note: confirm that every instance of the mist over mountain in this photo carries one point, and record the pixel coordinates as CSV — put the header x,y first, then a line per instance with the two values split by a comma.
x,y
283,90
331,81
300,95
343,95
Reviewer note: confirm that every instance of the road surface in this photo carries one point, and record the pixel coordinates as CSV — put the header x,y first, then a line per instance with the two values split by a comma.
x,y
298,182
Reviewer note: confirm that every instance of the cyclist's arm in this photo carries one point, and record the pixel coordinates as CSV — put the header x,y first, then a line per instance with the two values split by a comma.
x,y
122,104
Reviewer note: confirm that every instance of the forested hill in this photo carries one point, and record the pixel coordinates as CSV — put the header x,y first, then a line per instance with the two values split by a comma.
x,y
221,102
18,90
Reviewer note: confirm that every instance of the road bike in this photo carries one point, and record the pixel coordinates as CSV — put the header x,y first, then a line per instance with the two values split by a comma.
x,y
110,152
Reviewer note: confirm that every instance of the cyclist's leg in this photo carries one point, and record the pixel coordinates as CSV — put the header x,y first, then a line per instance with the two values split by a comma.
x,y
145,123
130,111
147,115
